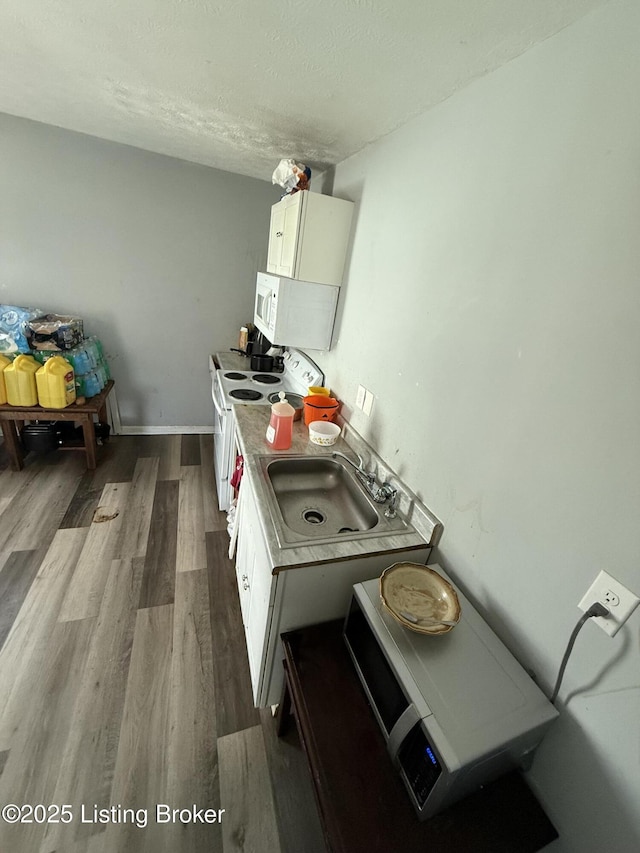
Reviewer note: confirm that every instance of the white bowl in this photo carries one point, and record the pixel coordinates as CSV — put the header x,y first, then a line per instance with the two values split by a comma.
x,y
323,432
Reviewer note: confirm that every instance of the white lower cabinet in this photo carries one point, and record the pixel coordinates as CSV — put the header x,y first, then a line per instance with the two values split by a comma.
x,y
255,581
294,598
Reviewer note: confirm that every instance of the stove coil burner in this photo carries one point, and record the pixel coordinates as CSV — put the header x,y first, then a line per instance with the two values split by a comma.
x,y
245,394
266,379
235,376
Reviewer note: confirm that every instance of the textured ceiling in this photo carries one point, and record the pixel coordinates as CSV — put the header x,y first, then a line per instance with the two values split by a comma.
x,y
240,84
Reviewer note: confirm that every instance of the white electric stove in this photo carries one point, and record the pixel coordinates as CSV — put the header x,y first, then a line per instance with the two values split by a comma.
x,y
246,386
253,388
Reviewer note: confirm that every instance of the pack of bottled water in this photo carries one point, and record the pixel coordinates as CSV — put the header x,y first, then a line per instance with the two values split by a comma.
x,y
13,321
89,364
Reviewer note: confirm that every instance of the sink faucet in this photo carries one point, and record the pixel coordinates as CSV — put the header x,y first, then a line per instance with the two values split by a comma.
x,y
368,476
380,494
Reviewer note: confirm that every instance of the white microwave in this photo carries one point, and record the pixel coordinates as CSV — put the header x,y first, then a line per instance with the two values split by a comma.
x,y
456,710
295,313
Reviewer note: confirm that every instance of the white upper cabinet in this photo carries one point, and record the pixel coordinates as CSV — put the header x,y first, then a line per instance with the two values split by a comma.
x,y
309,236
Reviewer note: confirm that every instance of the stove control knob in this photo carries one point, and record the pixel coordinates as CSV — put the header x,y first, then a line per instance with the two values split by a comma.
x,y
295,364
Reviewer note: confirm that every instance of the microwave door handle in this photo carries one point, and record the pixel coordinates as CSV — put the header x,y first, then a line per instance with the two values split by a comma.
x,y
403,725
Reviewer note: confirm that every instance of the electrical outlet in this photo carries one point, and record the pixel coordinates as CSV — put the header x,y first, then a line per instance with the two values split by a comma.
x,y
368,403
620,602
362,392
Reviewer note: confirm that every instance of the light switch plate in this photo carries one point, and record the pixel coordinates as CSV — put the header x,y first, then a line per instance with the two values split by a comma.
x,y
362,391
368,403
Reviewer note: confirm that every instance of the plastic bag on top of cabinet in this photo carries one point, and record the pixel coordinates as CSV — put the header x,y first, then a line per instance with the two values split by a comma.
x,y
291,176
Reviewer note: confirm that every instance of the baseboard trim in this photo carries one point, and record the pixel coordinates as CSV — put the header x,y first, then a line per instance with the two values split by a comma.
x,y
166,430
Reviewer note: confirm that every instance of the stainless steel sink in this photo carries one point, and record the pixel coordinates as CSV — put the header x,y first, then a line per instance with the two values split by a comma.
x,y
319,499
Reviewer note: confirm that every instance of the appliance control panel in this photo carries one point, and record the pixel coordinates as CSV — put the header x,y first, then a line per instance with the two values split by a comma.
x,y
300,371
419,763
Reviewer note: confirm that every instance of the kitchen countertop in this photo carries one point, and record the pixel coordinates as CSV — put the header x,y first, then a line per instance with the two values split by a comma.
x,y
232,360
251,426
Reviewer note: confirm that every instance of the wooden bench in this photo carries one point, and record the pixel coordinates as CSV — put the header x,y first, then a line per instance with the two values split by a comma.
x,y
13,417
363,805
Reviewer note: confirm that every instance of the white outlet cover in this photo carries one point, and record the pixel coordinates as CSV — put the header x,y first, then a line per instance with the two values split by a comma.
x,y
360,396
600,590
368,403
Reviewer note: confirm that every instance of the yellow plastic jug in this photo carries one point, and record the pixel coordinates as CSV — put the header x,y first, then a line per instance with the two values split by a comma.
x,y
20,379
56,383
4,362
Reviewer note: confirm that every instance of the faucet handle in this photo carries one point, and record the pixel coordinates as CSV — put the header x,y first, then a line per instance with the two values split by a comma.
x,y
391,494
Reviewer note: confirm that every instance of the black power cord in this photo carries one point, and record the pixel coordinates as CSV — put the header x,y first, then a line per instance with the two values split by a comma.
x,y
596,609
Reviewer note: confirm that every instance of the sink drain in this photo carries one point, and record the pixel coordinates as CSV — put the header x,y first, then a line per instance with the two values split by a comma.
x,y
313,516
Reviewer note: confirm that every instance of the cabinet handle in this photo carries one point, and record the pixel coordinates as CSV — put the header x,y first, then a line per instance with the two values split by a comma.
x,y
245,577
245,586
278,233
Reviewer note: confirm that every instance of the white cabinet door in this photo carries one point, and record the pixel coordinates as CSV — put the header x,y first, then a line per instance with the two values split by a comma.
x,y
255,584
276,235
244,560
283,235
293,207
262,587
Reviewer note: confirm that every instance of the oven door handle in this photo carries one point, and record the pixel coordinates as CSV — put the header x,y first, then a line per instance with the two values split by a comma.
x,y
216,404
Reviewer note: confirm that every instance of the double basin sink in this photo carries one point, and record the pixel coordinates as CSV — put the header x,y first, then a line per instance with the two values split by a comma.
x,y
317,500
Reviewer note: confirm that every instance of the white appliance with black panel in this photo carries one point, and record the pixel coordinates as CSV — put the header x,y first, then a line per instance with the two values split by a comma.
x,y
456,710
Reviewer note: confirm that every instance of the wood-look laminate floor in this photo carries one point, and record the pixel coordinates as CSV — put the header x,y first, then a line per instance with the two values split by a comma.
x,y
124,683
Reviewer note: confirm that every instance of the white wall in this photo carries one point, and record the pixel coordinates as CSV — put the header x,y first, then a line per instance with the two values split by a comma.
x,y
158,256
492,304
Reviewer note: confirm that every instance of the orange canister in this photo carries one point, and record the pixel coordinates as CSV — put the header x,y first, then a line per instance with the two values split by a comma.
x,y
317,407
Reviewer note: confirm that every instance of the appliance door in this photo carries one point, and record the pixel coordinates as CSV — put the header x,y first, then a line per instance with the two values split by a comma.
x,y
298,314
414,754
266,304
223,446
380,683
